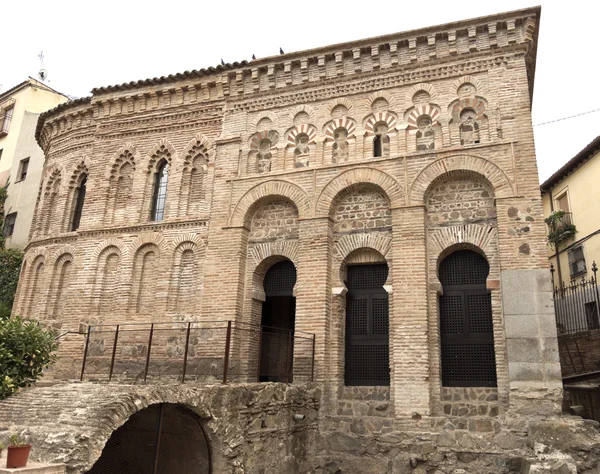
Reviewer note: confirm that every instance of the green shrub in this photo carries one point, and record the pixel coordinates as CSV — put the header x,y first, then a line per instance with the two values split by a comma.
x,y
26,349
10,268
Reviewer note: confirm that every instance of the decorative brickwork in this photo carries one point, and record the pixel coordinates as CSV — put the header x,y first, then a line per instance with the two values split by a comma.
x,y
399,150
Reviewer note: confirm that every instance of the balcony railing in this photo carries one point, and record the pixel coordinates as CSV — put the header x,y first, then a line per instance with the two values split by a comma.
x,y
206,351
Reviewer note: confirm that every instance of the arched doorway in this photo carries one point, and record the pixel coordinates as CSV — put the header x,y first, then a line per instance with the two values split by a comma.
x,y
161,439
367,360
466,325
277,323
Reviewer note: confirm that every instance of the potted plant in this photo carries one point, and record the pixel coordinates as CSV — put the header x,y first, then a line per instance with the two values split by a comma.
x,y
18,452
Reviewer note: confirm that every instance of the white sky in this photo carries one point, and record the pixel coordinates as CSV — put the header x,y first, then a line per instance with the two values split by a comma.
x,y
96,44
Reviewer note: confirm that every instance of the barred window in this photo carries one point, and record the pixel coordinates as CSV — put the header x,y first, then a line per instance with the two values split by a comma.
x,y
5,121
576,261
159,197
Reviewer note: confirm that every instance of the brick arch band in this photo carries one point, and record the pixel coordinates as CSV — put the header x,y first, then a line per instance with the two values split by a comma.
x,y
497,178
354,177
273,189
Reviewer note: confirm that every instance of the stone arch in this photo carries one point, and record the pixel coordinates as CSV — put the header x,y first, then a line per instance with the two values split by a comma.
x,y
258,272
478,104
100,248
253,125
498,179
479,238
243,210
120,182
344,122
466,79
127,153
51,190
414,113
153,238
388,118
352,242
418,88
191,451
303,108
146,263
60,284
307,129
139,399
162,150
107,257
36,281
194,179
77,175
256,138
341,101
186,284
61,251
357,176
381,95
263,251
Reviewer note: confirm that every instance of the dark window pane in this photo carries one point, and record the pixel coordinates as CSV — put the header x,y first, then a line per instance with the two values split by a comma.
x,y
161,179
79,200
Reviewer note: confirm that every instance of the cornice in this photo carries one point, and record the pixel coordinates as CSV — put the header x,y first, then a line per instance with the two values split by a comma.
x,y
453,41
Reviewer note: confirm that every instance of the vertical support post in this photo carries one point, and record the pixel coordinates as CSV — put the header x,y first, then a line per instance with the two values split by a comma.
x,y
112,361
185,355
580,356
260,342
85,351
595,270
149,349
227,345
570,358
289,358
312,365
158,435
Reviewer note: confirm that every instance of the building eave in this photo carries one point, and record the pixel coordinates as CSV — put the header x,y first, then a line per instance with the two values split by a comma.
x,y
572,165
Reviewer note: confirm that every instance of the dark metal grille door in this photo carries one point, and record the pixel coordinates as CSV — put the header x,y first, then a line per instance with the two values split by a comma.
x,y
280,279
161,439
466,327
367,326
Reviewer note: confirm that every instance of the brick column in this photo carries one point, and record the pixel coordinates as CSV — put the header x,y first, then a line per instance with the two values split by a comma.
x,y
409,355
313,288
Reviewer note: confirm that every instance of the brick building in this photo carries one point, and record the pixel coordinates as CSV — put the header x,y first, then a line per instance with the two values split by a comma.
x,y
381,195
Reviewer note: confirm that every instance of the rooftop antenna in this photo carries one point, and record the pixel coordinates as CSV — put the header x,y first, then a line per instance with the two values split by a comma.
x,y
42,74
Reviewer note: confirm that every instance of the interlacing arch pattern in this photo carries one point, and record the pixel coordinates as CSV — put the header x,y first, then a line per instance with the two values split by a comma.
x,y
195,170
343,122
50,200
305,129
386,117
80,173
429,110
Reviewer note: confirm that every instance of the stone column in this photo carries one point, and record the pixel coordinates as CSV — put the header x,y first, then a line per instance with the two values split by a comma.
x,y
530,326
313,289
409,353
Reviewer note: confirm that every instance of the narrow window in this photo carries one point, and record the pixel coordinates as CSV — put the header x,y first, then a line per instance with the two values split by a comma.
x,y
23,166
79,199
9,224
381,142
159,198
469,128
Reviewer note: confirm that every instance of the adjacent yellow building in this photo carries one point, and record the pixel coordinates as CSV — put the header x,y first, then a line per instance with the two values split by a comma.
x,y
571,196
21,158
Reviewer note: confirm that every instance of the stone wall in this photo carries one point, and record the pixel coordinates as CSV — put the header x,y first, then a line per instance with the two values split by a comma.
x,y
250,428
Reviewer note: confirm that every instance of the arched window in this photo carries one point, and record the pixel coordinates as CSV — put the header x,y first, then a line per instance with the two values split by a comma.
x,y
425,134
469,128
78,203
159,195
381,142
264,156
466,325
302,150
340,145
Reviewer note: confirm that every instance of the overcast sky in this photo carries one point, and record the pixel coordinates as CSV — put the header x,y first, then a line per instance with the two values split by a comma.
x,y
91,44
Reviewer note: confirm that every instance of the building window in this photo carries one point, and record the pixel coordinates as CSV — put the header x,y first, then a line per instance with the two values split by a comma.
x,y
79,200
469,128
591,314
576,261
1,150
159,198
562,203
9,224
23,167
381,142
5,121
